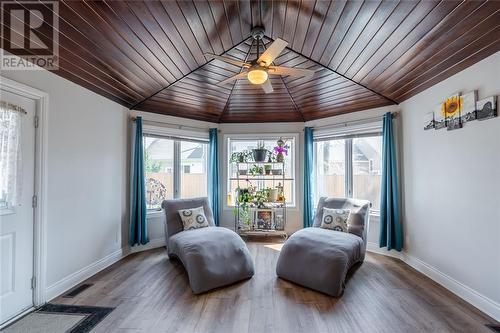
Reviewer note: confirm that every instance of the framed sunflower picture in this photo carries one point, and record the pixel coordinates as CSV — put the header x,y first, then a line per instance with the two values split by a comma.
x,y
452,109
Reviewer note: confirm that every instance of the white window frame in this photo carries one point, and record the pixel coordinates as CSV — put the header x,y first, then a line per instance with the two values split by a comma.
x,y
177,135
348,133
257,137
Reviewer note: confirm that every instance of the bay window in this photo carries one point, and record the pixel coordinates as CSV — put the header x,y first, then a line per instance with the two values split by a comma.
x,y
238,143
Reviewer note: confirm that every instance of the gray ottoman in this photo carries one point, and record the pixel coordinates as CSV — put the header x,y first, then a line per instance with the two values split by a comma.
x,y
213,257
319,258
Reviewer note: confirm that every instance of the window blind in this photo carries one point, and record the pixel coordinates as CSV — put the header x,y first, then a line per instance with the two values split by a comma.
x,y
348,131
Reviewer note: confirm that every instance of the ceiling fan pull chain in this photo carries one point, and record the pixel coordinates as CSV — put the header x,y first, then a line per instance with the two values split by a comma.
x,y
258,47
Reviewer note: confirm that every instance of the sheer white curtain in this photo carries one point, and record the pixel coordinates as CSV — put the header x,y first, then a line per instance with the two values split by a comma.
x,y
10,155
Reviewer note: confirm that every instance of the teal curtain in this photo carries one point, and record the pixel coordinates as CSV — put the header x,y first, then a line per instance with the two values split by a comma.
x,y
138,225
308,177
213,173
391,232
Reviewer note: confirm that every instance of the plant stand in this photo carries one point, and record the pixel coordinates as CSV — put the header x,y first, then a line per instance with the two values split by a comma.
x,y
268,218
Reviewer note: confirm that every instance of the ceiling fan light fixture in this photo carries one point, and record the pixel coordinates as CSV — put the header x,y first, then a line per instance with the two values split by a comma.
x,y
257,75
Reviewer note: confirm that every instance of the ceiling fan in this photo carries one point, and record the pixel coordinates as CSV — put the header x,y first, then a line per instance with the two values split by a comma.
x,y
258,71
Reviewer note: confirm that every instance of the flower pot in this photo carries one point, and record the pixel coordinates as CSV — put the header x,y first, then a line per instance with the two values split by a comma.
x,y
272,195
277,172
259,155
280,157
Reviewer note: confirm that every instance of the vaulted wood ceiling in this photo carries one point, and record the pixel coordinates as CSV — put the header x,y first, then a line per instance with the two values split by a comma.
x,y
150,55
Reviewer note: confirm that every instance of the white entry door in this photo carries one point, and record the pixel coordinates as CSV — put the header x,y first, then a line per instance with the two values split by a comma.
x,y
16,222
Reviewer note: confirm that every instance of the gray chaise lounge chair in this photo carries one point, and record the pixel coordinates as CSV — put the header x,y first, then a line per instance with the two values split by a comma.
x,y
319,258
213,256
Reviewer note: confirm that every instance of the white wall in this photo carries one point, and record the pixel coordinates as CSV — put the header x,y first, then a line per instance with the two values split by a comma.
x,y
87,177
450,190
452,185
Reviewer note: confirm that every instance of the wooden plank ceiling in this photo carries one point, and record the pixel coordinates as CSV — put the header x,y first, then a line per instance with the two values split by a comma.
x,y
150,55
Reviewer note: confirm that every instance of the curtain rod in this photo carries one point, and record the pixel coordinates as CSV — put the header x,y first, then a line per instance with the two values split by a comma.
x,y
361,121
12,107
162,124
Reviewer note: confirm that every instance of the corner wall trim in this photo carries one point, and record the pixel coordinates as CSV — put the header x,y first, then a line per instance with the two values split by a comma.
x,y
153,244
374,248
81,275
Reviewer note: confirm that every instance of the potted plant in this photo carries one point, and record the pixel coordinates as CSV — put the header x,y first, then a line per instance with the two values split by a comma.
x,y
260,154
277,172
281,150
243,198
240,157
260,197
272,194
256,170
268,168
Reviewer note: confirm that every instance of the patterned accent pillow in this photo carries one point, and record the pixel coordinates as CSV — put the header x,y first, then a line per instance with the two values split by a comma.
x,y
335,219
193,218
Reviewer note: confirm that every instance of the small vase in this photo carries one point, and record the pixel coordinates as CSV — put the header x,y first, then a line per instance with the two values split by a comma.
x,y
280,158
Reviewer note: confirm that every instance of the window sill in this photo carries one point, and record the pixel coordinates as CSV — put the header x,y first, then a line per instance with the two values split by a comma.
x,y
154,213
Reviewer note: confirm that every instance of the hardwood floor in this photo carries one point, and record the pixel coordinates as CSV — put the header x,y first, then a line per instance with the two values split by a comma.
x,y
151,294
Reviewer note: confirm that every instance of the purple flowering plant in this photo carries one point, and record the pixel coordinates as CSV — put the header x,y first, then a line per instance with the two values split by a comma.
x,y
282,149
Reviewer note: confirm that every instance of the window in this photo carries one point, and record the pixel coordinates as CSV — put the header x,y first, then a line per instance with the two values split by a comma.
x,y
174,168
10,157
367,169
236,144
349,167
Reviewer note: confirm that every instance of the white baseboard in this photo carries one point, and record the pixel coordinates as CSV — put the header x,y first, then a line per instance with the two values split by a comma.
x,y
468,294
153,244
81,275
476,299
483,303
373,247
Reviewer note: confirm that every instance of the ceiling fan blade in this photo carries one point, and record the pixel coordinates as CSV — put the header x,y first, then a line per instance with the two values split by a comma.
x,y
230,60
278,70
272,52
267,86
232,78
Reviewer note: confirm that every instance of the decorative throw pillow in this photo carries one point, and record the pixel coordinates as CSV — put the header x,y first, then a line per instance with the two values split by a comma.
x,y
193,218
335,219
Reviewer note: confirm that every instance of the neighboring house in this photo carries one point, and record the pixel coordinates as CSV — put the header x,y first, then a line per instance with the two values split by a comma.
x,y
367,158
193,155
